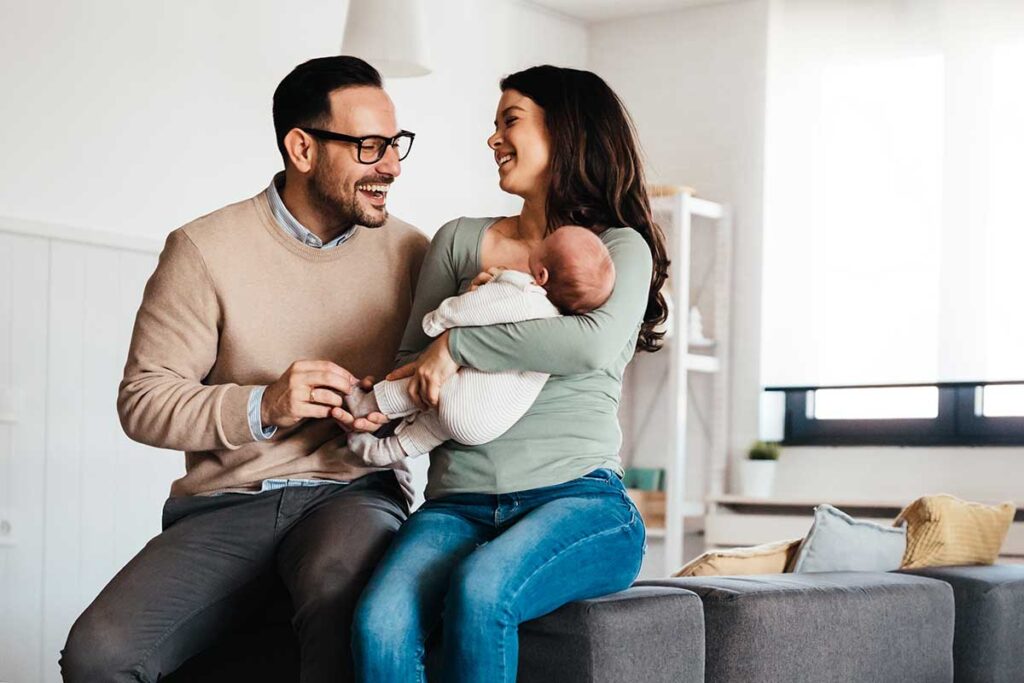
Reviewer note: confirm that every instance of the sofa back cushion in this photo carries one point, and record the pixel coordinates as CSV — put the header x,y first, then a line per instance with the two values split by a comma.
x,y
943,530
769,558
840,543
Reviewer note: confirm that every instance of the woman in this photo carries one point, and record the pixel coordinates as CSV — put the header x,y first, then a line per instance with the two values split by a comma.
x,y
515,528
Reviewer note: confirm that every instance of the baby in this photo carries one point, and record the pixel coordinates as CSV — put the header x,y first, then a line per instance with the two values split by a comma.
x,y
572,273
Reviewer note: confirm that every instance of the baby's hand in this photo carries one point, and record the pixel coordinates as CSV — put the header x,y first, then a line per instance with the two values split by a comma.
x,y
484,277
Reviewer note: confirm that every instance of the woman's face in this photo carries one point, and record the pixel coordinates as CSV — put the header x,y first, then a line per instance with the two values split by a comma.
x,y
522,146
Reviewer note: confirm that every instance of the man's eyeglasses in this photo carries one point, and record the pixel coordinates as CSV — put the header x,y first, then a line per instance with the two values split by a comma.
x,y
372,148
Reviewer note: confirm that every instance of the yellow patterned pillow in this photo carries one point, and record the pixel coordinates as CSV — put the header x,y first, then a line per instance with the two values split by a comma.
x,y
943,530
770,558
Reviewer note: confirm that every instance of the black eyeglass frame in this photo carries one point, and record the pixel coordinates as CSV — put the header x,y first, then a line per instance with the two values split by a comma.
x,y
387,142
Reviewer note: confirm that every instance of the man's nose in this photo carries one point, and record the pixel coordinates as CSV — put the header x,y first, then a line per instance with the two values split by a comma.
x,y
389,163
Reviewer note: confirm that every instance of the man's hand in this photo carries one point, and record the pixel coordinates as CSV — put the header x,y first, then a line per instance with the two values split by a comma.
x,y
308,388
484,277
368,423
429,372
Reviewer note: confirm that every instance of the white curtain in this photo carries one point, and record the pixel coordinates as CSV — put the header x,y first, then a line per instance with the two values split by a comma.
x,y
894,210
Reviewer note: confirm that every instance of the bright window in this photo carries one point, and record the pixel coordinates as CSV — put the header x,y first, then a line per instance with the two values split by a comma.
x,y
894,218
1002,400
874,404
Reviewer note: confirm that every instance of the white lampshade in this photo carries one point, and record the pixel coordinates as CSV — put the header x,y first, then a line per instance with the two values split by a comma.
x,y
389,34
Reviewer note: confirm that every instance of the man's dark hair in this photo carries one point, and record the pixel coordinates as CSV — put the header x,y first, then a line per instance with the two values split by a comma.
x,y
301,99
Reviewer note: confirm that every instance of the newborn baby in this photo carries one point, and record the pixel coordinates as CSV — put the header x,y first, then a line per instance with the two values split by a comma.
x,y
571,273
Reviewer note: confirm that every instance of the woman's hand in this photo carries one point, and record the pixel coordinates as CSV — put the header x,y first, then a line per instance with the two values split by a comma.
x,y
484,277
429,372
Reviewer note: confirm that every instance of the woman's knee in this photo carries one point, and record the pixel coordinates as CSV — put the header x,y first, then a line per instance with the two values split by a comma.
x,y
382,624
477,593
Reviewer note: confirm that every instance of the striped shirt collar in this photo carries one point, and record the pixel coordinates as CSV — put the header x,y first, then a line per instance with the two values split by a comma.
x,y
292,226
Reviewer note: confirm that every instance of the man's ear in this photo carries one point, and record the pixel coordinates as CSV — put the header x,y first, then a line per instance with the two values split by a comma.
x,y
542,278
300,149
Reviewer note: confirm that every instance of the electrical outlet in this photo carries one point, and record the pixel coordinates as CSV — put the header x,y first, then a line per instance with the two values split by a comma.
x,y
6,530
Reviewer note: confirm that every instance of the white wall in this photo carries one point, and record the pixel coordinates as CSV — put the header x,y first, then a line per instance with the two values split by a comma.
x,y
78,497
139,116
694,82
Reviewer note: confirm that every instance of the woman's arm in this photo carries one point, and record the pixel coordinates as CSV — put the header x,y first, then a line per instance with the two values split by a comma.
x,y
571,344
438,280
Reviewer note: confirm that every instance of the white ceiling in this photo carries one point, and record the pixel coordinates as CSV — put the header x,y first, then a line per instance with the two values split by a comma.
x,y
604,10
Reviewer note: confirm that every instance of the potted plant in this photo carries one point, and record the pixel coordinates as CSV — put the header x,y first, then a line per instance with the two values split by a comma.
x,y
757,472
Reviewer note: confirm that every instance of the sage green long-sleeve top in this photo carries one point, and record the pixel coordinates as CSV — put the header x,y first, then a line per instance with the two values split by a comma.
x,y
572,427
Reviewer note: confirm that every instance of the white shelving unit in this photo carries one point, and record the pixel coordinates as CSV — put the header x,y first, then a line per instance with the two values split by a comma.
x,y
677,211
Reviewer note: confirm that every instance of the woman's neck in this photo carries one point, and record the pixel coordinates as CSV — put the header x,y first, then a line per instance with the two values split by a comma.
x,y
533,222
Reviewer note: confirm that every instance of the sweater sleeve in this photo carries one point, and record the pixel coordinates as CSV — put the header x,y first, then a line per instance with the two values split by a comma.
x,y
569,344
162,400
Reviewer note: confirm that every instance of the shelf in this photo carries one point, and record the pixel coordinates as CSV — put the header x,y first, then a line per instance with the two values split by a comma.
x,y
697,206
8,418
704,208
677,211
734,499
700,363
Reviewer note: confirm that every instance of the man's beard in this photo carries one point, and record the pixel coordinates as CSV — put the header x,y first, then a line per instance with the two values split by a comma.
x,y
340,210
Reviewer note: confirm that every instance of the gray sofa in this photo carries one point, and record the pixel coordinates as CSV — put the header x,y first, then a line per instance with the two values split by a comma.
x,y
932,625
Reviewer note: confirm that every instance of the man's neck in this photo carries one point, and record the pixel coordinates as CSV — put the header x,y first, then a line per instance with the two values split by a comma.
x,y
296,199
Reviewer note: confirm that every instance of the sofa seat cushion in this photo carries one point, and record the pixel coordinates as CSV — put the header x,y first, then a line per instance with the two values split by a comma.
x,y
822,627
988,641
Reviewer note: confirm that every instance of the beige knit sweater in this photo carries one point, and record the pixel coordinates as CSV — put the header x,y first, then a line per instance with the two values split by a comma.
x,y
232,303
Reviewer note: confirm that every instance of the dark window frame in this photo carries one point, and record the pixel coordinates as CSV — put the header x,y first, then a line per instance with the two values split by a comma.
x,y
956,424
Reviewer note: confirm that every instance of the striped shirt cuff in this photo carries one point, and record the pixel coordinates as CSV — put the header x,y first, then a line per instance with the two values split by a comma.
x,y
255,423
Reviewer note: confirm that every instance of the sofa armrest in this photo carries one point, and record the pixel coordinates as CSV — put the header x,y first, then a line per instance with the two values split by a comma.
x,y
640,634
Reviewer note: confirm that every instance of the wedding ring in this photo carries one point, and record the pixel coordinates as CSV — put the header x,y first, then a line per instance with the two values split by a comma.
x,y
311,399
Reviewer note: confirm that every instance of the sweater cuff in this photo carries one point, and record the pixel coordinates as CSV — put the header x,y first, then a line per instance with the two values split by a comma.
x,y
233,416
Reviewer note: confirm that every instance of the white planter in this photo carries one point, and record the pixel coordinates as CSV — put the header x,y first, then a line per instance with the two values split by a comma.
x,y
757,478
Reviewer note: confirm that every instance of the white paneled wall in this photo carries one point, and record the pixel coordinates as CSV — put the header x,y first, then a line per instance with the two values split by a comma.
x,y
77,498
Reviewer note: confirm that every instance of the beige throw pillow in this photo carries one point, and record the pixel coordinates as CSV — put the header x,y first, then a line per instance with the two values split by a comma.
x,y
769,558
943,530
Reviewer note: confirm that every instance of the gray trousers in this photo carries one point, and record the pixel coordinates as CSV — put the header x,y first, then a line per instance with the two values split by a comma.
x,y
213,565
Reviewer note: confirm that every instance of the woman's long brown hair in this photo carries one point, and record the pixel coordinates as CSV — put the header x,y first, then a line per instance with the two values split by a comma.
x,y
597,177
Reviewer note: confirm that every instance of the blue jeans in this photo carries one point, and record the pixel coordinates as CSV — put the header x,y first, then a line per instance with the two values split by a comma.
x,y
486,563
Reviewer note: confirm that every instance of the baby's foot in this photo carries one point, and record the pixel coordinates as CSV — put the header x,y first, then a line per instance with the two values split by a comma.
x,y
361,403
374,451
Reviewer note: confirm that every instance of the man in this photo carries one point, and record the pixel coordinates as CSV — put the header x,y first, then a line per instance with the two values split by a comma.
x,y
257,321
